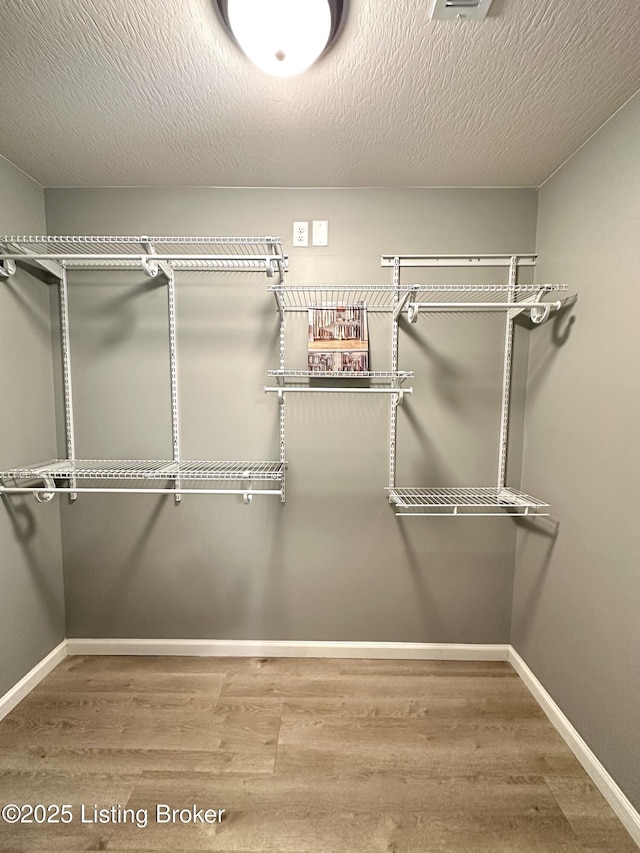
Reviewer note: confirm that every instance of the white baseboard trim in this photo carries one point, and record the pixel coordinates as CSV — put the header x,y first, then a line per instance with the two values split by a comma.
x,y
18,692
291,648
585,755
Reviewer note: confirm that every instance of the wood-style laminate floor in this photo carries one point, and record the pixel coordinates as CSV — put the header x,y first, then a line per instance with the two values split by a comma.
x,y
304,756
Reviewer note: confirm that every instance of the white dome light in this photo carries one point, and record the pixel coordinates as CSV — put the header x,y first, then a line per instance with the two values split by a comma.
x,y
282,37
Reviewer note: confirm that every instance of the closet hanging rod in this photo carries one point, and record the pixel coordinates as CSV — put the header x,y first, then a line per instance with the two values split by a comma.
x,y
539,310
488,289
505,514
134,490
310,389
482,306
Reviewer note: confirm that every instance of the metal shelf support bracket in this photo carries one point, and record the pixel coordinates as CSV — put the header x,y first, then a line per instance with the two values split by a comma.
x,y
397,310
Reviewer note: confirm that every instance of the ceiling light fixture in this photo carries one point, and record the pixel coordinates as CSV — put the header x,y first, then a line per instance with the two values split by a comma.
x,y
282,37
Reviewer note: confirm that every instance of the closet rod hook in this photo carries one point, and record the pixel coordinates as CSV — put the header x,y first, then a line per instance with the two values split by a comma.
x,y
7,268
150,266
44,496
540,313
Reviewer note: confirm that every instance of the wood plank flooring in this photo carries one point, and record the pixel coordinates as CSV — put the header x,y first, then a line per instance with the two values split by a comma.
x,y
304,756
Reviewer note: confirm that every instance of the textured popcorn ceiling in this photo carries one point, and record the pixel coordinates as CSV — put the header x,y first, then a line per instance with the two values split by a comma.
x,y
107,92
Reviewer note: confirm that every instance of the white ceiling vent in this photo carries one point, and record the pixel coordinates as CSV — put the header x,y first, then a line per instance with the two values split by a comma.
x,y
455,10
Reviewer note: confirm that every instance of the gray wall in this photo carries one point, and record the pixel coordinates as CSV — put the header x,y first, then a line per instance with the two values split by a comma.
x,y
577,598
31,597
334,563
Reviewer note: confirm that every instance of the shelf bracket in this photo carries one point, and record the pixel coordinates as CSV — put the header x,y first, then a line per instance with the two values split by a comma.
x,y
8,264
398,308
57,270
165,268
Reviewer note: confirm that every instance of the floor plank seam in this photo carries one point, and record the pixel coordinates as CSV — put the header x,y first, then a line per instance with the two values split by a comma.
x,y
562,811
275,758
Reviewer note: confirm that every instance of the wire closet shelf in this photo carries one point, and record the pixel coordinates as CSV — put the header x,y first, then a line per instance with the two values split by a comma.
x,y
450,501
299,298
154,255
400,375
259,254
47,478
379,298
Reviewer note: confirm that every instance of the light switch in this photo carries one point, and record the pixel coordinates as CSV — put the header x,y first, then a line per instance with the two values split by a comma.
x,y
320,232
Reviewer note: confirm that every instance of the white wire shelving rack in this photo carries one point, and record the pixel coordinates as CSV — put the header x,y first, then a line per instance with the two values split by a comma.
x,y
156,256
297,299
511,299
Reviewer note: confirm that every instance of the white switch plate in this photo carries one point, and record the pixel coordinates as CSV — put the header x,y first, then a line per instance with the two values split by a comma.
x,y
320,232
300,233
458,10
